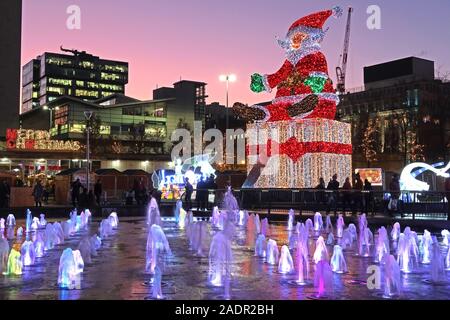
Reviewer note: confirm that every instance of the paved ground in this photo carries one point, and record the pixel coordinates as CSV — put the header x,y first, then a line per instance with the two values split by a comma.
x,y
118,272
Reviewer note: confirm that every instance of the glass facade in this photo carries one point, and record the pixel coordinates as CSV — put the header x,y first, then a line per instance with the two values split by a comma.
x,y
82,75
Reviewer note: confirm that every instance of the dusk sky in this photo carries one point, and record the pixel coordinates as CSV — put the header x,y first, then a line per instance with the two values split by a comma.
x,y
164,40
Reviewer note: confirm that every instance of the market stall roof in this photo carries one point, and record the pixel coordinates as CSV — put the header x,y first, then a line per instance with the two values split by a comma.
x,y
108,172
69,172
136,172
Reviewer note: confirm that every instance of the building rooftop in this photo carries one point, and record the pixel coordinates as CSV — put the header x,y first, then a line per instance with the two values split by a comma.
x,y
401,70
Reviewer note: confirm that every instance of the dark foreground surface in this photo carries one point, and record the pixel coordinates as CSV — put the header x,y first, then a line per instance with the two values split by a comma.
x,y
118,272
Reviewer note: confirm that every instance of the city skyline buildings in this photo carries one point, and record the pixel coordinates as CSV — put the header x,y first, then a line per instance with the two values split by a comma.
x,y
192,40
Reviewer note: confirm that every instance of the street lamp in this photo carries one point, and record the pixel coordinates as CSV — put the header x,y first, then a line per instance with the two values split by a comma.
x,y
51,114
88,116
227,79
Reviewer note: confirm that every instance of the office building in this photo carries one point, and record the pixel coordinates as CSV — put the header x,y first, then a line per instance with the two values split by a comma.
x,y
402,104
78,74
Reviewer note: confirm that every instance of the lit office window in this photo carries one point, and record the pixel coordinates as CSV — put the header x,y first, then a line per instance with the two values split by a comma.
x,y
110,76
86,64
86,93
60,91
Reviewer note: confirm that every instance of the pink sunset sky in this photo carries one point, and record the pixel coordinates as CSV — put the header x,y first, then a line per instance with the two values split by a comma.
x,y
164,40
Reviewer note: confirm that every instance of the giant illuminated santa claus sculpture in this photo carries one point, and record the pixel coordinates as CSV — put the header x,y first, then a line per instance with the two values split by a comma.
x,y
294,140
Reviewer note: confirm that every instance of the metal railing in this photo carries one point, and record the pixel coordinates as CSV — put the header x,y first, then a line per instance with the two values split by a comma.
x,y
431,204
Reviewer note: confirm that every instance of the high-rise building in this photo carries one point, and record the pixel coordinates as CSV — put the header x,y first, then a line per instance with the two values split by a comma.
x,y
81,75
10,47
393,117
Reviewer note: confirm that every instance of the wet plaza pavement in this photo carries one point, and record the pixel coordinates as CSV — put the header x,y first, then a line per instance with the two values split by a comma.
x,y
118,272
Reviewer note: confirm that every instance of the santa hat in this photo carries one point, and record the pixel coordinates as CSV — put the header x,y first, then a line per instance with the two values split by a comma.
x,y
314,22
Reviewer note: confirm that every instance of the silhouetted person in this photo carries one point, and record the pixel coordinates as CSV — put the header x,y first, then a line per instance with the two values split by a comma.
x,y
367,195
98,190
83,199
188,194
447,195
320,195
332,197
129,197
212,185
4,194
76,186
347,196
394,189
358,186
91,199
38,193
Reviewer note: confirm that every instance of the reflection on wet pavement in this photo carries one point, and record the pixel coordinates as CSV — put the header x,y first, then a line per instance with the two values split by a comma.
x,y
118,272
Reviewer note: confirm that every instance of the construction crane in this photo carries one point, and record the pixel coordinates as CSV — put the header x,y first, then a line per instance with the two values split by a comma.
x,y
75,52
341,70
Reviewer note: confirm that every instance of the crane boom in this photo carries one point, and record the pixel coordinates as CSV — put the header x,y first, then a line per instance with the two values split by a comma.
x,y
342,69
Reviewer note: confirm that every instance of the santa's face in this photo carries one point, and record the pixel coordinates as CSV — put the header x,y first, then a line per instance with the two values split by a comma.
x,y
297,40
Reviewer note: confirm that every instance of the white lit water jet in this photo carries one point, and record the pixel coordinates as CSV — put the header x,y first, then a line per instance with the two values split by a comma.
x,y
71,267
198,237
177,210
338,264
323,279
42,221
445,237
328,224
59,233
105,229
153,215
29,221
39,246
272,252
85,250
114,220
10,220
19,232
438,273
260,246
157,247
318,222
95,244
382,245
220,259
340,226
330,239
321,252
302,261
426,247
365,241
28,254
392,280
4,254
285,264
265,227
395,233
216,219
50,236
291,220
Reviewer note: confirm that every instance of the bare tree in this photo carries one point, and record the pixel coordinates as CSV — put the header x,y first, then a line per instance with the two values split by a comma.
x,y
369,141
405,121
